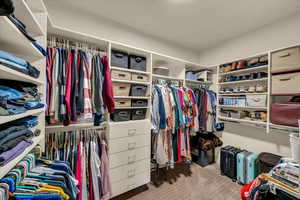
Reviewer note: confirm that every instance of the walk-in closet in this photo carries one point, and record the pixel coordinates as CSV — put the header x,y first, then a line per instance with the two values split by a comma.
x,y
143,100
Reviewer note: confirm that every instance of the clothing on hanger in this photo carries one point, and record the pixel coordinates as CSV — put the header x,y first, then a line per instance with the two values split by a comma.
x,y
86,151
79,86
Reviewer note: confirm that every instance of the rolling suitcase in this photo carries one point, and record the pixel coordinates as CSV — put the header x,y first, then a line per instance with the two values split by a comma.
x,y
228,161
246,167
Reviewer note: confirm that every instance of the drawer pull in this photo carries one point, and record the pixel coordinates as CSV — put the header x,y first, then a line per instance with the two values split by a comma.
x,y
131,173
131,132
285,79
131,159
285,55
131,145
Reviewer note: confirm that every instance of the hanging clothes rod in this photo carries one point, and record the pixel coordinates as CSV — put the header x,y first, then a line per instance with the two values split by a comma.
x,y
74,127
66,43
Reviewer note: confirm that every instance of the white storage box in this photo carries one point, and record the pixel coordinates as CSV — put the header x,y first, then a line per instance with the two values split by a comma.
x,y
254,100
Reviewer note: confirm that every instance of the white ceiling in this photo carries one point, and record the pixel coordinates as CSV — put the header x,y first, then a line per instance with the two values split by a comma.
x,y
193,24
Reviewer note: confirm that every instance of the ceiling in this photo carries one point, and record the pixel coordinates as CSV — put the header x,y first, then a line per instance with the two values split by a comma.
x,y
193,24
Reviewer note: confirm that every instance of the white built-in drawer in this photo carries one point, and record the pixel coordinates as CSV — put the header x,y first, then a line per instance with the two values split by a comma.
x,y
130,128
129,143
129,171
129,157
130,183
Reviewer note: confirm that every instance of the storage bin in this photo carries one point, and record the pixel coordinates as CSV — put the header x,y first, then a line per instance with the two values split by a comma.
x,y
203,157
286,60
138,114
121,89
138,90
191,76
123,103
286,83
121,115
120,75
140,77
254,100
119,59
139,103
137,62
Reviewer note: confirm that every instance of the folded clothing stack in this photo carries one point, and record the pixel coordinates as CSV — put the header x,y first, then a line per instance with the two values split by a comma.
x,y
18,64
17,97
15,137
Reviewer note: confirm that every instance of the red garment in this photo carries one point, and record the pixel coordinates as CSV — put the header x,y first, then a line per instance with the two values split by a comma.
x,y
107,92
49,67
179,159
78,172
245,190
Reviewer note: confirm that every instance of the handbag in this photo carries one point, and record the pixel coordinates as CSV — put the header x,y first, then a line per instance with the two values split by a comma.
x,y
286,113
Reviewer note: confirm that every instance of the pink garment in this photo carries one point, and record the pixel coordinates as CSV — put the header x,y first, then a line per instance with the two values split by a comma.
x,y
68,83
78,172
180,95
107,92
104,169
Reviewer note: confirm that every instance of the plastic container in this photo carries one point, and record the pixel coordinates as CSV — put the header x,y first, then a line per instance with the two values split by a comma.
x,y
295,146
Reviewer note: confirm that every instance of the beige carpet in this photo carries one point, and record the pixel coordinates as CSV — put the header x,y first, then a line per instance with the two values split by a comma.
x,y
187,183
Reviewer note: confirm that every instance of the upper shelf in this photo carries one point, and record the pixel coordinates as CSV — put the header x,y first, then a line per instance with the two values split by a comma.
x,y
156,76
252,69
37,6
7,73
5,119
130,70
244,81
13,41
24,14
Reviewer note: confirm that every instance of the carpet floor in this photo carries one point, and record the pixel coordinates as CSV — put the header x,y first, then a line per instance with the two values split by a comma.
x,y
186,182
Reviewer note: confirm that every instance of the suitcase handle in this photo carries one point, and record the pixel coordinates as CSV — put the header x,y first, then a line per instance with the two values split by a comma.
x,y
285,55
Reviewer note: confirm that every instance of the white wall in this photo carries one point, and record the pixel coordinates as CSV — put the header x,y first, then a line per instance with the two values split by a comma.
x,y
281,34
82,22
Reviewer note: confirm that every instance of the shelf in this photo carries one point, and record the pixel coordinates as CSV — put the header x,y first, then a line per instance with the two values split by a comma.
x,y
132,107
5,119
7,73
129,122
131,82
37,6
24,14
77,126
252,69
244,81
242,120
243,108
130,97
6,168
129,70
239,94
166,77
285,128
13,41
200,82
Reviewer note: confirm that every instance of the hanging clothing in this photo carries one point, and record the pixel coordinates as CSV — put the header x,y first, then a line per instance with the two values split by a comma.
x,y
87,154
79,86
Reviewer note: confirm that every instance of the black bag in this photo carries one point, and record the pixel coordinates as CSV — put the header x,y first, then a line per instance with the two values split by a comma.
x,y
228,161
266,161
6,7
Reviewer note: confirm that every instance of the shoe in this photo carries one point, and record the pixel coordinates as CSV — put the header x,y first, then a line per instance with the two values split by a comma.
x,y
241,64
253,62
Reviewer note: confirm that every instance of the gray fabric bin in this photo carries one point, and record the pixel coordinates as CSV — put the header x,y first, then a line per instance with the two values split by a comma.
x,y
139,103
119,59
138,114
138,90
121,115
137,62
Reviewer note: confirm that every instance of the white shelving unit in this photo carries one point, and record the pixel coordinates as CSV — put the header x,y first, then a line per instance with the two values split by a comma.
x,y
240,94
248,70
14,42
131,82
